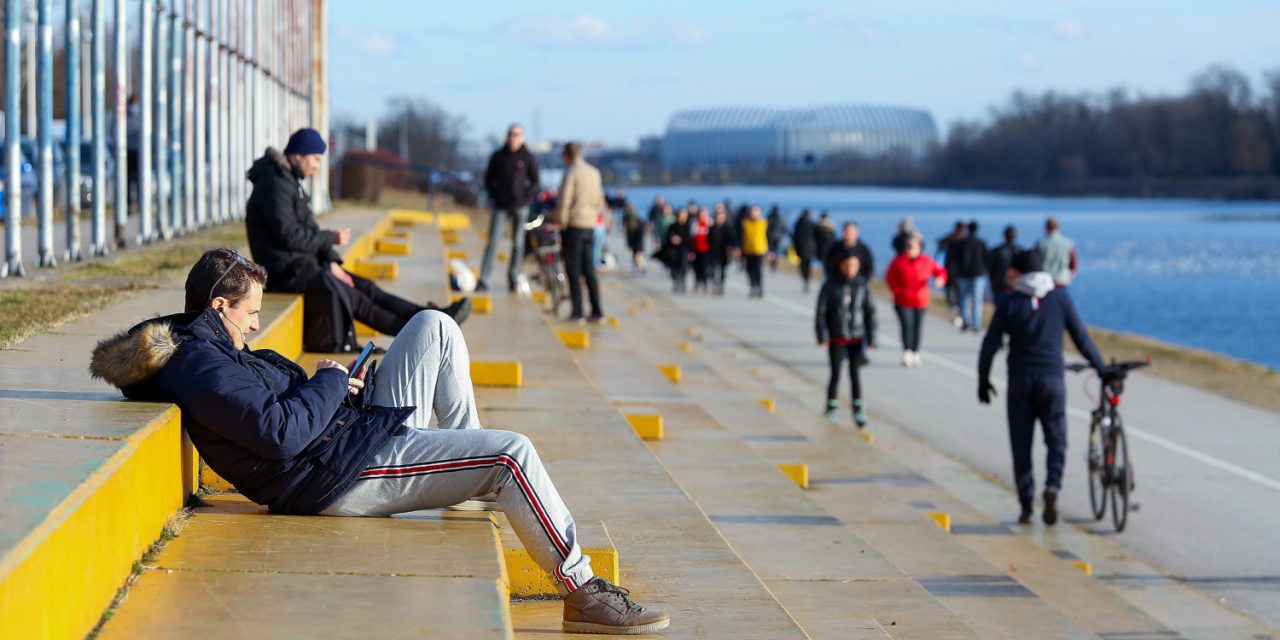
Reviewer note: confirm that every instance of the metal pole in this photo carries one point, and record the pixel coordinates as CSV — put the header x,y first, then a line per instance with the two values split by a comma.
x,y
161,138
188,118
12,138
99,94
74,124
146,233
177,177
122,122
44,104
201,175
29,27
215,111
321,199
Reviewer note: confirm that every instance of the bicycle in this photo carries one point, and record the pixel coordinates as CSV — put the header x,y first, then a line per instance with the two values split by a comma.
x,y
1110,466
548,272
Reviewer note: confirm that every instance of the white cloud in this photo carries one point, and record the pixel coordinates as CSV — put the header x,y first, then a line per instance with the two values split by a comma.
x,y
1069,29
1028,59
368,40
846,28
559,31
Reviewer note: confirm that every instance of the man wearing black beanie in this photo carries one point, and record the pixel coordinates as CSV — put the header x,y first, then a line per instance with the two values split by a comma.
x,y
1034,316
300,257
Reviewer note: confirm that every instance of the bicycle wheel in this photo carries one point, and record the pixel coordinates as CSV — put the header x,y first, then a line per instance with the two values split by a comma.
x,y
1121,480
1097,467
546,274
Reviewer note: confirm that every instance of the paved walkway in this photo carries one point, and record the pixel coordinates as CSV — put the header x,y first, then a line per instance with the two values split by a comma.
x,y
1208,485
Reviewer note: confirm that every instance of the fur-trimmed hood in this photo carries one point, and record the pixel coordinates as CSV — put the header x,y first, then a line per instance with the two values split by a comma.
x,y
132,357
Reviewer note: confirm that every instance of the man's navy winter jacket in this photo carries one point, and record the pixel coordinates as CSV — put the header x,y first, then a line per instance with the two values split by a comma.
x,y
282,439
1035,317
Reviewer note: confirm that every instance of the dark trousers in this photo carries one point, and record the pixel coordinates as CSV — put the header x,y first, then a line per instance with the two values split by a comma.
x,y
1036,396
911,321
719,266
385,312
576,253
754,274
806,267
679,272
839,354
701,269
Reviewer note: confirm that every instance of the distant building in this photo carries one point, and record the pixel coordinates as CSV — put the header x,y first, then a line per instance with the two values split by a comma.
x,y
760,137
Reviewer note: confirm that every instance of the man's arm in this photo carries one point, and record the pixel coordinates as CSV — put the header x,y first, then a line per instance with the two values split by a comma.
x,y
1078,332
491,175
869,318
303,237
820,315
238,406
533,178
990,345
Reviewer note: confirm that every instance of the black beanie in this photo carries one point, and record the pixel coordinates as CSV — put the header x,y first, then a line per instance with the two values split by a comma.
x,y
1027,261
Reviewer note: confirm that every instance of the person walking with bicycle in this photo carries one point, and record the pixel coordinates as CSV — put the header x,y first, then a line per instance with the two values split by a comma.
x,y
580,200
1034,317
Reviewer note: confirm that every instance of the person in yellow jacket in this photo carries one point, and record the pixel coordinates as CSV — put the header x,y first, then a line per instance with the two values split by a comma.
x,y
755,246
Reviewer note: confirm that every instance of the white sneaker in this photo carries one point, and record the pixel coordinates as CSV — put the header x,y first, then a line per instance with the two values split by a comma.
x,y
916,360
907,358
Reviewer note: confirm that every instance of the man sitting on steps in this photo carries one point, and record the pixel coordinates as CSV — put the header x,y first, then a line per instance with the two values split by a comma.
x,y
313,446
299,256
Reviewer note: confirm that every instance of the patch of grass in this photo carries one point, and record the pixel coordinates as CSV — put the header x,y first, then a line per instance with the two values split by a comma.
x,y
51,298
1229,377
170,531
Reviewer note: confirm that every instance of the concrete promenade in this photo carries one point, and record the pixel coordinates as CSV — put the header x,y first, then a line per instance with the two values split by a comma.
x,y
1208,482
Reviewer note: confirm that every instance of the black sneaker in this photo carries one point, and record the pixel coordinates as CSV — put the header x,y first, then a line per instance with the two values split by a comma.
x,y
481,287
459,310
595,318
1050,507
1025,516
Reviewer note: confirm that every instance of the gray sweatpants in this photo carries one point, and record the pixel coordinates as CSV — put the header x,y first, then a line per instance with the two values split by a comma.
x,y
427,365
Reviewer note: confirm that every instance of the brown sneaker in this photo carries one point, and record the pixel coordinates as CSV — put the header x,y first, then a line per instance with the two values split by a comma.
x,y
600,607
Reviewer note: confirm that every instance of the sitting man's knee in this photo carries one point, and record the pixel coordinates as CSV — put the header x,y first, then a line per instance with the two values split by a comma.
x,y
432,322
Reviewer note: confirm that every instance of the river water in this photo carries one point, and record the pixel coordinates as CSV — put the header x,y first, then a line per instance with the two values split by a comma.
x,y
1204,274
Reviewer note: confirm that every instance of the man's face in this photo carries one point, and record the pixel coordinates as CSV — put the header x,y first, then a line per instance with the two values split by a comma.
x,y
850,266
242,317
850,236
308,165
515,138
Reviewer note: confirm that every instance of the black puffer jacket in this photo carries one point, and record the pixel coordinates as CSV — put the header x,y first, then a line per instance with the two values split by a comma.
x,y
511,177
284,440
845,311
283,235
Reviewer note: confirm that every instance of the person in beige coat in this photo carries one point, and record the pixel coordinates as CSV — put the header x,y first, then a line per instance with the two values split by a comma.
x,y
578,205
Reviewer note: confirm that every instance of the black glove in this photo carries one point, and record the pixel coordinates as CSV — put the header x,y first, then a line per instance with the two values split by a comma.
x,y
985,392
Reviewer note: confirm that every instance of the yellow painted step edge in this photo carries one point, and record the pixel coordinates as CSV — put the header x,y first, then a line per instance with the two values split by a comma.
x,y
671,371
574,339
797,471
646,425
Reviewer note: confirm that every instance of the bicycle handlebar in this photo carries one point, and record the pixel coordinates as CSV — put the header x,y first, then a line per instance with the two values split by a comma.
x,y
1114,367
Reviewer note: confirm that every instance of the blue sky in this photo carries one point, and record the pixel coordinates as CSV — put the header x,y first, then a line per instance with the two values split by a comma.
x,y
614,71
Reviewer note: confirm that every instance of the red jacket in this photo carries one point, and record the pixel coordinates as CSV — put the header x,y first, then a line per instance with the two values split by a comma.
x,y
909,279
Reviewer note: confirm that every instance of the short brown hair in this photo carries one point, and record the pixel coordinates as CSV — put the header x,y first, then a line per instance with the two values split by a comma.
x,y
571,150
225,273
1051,224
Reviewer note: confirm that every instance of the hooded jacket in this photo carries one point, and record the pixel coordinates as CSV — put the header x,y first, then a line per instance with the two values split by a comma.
x,y
511,177
908,279
283,235
1035,317
845,311
282,439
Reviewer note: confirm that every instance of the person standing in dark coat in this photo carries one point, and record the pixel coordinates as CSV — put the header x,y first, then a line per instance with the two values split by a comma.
x,y
998,261
824,234
511,179
1034,317
850,244
941,253
775,231
299,256
326,444
805,240
676,251
967,260
722,242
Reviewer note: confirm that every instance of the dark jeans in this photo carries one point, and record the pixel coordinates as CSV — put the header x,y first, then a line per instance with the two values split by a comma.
x,y
754,274
838,354
576,253
383,311
806,267
719,266
1036,396
679,273
912,321
701,269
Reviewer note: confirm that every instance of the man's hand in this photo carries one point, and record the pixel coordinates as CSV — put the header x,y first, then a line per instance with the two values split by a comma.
x,y
330,364
871,347
985,391
341,274
342,236
824,343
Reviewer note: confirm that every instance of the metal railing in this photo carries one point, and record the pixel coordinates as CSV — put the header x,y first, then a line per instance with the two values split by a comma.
x,y
215,82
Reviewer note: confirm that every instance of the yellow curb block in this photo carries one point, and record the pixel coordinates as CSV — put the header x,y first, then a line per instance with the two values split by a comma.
x,y
526,579
539,296
396,235
456,254
574,339
646,425
672,371
501,256
866,435
1084,566
690,331
496,373
768,404
364,331
375,270
686,347
453,221
410,217
614,322
633,311
449,238
797,471
940,518
395,247
480,302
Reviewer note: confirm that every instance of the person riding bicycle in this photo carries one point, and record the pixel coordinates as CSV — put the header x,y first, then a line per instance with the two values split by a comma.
x,y
1035,316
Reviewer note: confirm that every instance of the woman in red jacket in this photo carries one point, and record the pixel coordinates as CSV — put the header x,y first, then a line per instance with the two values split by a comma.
x,y
908,279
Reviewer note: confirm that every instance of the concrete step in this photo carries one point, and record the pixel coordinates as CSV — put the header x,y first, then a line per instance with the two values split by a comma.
x,y
236,571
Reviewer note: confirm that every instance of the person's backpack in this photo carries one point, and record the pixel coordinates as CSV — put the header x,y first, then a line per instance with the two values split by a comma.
x,y
328,325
